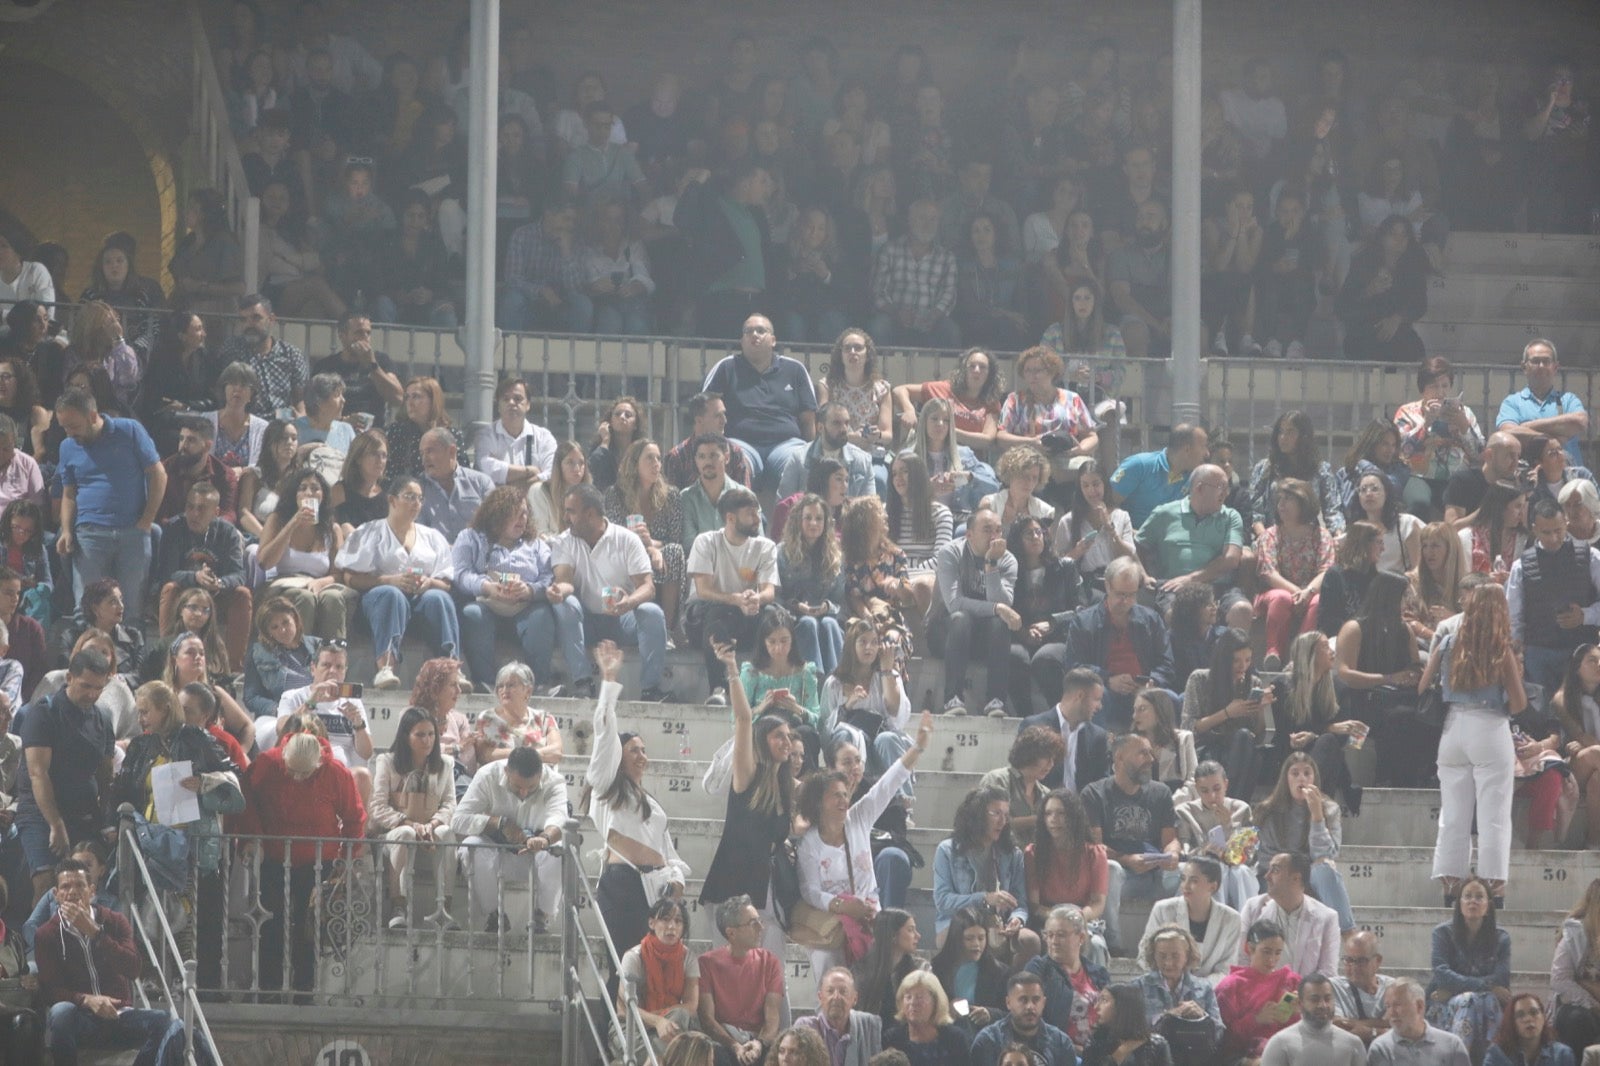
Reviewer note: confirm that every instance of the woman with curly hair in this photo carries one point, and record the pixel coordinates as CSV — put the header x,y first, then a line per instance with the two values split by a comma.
x,y
22,550
644,502
1293,454
1023,470
874,566
1039,408
1034,753
423,409
1482,680
620,425
852,379
811,582
974,392
98,340
981,865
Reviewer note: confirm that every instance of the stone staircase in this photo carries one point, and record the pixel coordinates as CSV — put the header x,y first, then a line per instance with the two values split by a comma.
x,y
1386,859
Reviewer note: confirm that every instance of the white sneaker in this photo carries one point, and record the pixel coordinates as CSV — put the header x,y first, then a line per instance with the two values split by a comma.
x,y
1219,345
995,708
1274,349
1296,350
955,706
1248,346
385,679
718,698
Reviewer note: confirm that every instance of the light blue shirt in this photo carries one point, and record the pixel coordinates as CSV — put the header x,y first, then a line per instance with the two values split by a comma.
x,y
1522,407
1145,482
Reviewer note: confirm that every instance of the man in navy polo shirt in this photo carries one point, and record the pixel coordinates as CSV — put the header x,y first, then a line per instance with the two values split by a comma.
x,y
112,482
772,406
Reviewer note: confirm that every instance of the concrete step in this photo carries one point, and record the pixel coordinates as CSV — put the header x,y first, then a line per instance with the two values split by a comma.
x,y
1507,295
1410,818
1534,254
1498,340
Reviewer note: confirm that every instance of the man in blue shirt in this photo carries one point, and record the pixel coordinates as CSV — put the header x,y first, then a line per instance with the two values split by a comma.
x,y
451,493
111,483
1147,480
1024,1024
1542,409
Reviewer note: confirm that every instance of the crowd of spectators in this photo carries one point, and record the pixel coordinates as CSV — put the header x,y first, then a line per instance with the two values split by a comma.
x,y
196,530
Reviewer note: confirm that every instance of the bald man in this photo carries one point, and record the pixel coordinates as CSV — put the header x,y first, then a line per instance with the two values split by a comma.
x,y
1198,539
1358,994
1466,488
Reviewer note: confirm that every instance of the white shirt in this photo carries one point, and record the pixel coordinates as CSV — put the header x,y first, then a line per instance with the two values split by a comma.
x,y
615,560
489,796
374,549
1069,762
827,871
32,283
1259,122
733,568
626,821
1514,596
497,449
341,732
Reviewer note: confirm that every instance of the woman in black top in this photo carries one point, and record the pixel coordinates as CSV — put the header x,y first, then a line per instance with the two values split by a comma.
x,y
924,1028
1048,589
1344,586
760,807
358,496
983,987
1122,1036
891,957
1376,673
1194,629
1225,706
1385,291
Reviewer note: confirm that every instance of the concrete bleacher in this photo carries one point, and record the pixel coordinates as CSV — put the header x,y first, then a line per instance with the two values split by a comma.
x,y
1386,859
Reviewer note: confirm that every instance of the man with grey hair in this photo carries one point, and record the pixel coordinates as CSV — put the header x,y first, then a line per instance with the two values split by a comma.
x,y
282,367
974,580
1543,409
1411,1041
1198,539
1358,994
451,493
741,987
1315,1041
20,476
851,1036
1071,982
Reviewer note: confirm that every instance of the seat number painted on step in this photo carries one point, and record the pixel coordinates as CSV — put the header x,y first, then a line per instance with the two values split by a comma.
x,y
1360,869
343,1053
966,740
674,728
1552,873
679,784
1376,929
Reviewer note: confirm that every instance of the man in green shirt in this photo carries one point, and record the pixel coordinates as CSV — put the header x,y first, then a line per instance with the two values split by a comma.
x,y
1196,539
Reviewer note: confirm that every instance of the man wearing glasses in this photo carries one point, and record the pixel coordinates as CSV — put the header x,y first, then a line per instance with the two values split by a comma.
x,y
1358,995
741,987
771,404
1542,409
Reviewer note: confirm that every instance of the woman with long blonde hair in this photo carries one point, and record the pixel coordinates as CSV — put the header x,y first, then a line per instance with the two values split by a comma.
x,y
1435,580
811,581
569,469
1482,680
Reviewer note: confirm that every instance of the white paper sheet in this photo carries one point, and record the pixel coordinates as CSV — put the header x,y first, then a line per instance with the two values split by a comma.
x,y
175,805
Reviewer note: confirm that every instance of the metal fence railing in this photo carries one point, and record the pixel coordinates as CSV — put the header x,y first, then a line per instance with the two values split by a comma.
x,y
218,153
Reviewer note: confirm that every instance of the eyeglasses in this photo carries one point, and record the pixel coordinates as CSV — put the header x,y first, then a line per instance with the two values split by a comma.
x,y
411,497
336,642
1355,960
358,160
756,331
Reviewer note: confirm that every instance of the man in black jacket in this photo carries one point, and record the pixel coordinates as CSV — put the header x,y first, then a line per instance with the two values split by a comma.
x,y
1088,757
730,248
1124,642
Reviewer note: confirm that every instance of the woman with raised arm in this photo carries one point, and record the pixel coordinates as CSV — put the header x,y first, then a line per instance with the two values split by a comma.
x,y
835,855
641,863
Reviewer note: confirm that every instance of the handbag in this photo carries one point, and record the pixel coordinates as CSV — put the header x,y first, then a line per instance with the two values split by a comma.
x,y
1191,1040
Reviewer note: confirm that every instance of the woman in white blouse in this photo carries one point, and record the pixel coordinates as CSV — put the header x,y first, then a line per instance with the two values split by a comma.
x,y
834,860
641,863
413,800
1092,534
402,568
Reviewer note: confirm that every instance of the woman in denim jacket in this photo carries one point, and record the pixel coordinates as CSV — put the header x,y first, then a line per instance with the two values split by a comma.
x,y
279,658
981,866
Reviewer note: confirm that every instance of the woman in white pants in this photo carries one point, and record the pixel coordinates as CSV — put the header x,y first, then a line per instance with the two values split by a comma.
x,y
413,800
834,859
1482,683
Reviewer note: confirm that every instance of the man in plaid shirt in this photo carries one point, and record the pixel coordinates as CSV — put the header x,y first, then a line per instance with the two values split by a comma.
x,y
539,288
914,285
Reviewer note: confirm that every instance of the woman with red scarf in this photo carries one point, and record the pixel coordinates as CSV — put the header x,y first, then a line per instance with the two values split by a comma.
x,y
663,974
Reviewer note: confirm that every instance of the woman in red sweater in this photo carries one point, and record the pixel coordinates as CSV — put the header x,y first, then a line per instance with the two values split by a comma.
x,y
298,790
1259,999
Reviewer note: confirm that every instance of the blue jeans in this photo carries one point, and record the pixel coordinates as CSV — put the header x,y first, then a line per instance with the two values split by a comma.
x,y
766,460
521,311
892,867
158,1035
388,612
820,641
887,331
1545,667
811,327
122,554
440,316
1328,884
1152,884
535,629
627,317
644,628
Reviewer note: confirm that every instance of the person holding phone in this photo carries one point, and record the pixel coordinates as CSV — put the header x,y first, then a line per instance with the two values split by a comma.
x,y
1439,433
1259,999
337,705
1225,706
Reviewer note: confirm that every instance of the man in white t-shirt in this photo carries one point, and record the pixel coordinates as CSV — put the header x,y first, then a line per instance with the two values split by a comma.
x,y
604,590
734,571
343,716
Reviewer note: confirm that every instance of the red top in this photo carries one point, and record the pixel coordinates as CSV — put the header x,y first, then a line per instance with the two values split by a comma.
x,y
1054,887
1120,656
324,805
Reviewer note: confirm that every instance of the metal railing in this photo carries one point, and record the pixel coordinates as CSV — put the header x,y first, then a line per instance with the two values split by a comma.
x,y
305,921
142,903
211,127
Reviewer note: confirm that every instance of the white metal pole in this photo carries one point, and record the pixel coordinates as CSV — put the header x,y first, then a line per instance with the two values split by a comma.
x,y
1187,330
480,338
